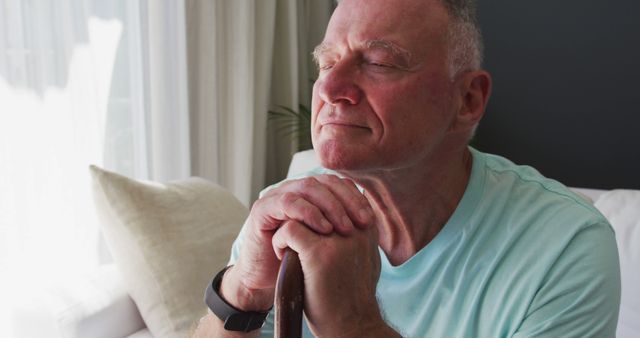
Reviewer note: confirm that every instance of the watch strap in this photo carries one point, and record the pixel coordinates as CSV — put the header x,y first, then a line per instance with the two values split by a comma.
x,y
234,319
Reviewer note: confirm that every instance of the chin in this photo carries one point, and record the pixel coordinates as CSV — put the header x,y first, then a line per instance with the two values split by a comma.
x,y
341,158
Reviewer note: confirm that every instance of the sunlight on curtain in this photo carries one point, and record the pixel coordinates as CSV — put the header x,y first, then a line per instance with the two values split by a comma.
x,y
240,69
69,96
105,82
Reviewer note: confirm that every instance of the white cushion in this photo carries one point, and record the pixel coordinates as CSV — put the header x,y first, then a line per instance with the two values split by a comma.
x,y
144,333
81,306
622,209
167,240
589,195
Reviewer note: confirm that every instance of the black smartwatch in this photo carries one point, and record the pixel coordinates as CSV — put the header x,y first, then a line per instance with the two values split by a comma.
x,y
234,319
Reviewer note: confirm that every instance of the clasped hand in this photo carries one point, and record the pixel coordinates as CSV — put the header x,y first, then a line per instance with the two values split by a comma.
x,y
331,226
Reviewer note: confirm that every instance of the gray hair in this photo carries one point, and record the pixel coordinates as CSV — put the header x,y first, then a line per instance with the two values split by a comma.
x,y
466,49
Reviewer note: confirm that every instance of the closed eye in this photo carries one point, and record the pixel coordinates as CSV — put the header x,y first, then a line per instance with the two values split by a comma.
x,y
380,64
325,66
325,63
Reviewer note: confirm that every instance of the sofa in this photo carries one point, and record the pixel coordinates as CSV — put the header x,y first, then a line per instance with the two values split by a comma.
x,y
102,304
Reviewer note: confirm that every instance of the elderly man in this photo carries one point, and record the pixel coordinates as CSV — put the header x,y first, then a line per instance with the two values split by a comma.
x,y
418,234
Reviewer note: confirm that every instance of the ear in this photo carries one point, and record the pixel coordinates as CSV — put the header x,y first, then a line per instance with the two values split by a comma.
x,y
474,89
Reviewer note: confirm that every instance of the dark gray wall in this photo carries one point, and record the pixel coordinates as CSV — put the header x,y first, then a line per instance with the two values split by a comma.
x,y
566,95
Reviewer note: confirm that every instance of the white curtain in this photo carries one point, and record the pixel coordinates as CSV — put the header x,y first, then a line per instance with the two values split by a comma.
x,y
300,28
246,57
153,89
164,36
81,82
69,96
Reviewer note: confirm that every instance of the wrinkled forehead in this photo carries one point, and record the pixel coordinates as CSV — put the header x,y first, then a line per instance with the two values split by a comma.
x,y
409,24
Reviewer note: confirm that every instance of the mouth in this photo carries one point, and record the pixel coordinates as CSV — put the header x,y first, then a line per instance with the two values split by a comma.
x,y
336,118
344,124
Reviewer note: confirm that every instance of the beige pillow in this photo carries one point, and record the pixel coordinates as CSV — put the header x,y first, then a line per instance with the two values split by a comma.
x,y
168,240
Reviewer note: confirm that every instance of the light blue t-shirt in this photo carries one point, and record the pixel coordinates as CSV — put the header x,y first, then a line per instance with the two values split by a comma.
x,y
521,256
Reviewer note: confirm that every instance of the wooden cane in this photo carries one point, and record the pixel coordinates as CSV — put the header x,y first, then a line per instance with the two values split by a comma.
x,y
289,299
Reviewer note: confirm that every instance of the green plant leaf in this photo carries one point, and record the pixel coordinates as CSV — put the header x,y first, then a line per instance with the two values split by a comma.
x,y
292,125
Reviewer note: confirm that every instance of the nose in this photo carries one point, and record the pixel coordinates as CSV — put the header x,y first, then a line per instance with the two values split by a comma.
x,y
338,85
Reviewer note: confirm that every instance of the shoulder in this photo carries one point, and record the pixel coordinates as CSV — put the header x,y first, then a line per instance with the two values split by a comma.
x,y
543,223
525,193
562,248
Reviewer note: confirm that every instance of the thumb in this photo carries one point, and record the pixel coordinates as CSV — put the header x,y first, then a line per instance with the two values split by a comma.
x,y
295,235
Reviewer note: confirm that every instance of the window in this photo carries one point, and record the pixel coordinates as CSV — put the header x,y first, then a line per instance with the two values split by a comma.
x,y
71,94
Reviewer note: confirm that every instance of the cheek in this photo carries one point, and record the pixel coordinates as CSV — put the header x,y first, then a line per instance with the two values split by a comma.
x,y
413,111
401,103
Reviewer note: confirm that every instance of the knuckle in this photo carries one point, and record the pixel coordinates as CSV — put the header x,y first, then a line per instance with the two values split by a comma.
x,y
288,198
257,212
349,183
257,204
332,179
363,202
285,186
309,182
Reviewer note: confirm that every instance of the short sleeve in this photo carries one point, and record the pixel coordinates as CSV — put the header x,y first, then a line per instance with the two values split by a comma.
x,y
580,296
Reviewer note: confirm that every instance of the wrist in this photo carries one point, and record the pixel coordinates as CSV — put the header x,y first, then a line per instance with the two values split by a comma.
x,y
236,293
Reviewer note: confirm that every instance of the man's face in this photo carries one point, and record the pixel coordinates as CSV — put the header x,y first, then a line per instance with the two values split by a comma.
x,y
383,98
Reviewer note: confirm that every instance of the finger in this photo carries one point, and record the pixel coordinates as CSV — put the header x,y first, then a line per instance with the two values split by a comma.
x,y
293,235
356,204
322,195
270,212
324,199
